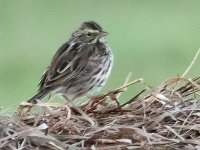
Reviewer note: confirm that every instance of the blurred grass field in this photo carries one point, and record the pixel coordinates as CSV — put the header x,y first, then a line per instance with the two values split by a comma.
x,y
154,39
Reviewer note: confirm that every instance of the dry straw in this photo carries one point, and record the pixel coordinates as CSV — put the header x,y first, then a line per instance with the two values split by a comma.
x,y
167,117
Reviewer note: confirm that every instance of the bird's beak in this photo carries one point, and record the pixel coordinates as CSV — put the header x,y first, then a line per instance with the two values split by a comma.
x,y
103,33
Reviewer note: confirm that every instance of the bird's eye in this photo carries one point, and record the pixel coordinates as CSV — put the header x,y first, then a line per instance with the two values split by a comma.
x,y
89,34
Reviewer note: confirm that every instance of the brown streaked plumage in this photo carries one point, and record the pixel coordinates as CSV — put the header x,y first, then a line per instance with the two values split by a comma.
x,y
80,65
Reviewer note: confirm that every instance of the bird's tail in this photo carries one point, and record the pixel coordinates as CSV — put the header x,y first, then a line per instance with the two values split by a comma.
x,y
40,94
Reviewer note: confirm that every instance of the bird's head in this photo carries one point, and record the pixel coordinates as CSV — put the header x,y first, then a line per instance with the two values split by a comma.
x,y
89,32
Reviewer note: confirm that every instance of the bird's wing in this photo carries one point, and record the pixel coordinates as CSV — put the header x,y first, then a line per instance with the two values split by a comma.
x,y
66,64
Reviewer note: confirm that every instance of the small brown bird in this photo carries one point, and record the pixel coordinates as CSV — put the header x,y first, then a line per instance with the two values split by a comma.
x,y
81,65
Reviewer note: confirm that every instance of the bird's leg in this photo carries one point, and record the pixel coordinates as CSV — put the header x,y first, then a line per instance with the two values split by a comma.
x,y
82,113
49,97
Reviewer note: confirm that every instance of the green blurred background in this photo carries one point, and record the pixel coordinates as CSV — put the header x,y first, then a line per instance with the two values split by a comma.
x,y
154,39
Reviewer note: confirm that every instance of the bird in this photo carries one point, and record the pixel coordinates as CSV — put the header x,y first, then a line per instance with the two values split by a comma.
x,y
80,66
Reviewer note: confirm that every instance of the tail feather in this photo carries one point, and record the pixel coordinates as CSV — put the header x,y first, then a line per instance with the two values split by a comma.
x,y
41,94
